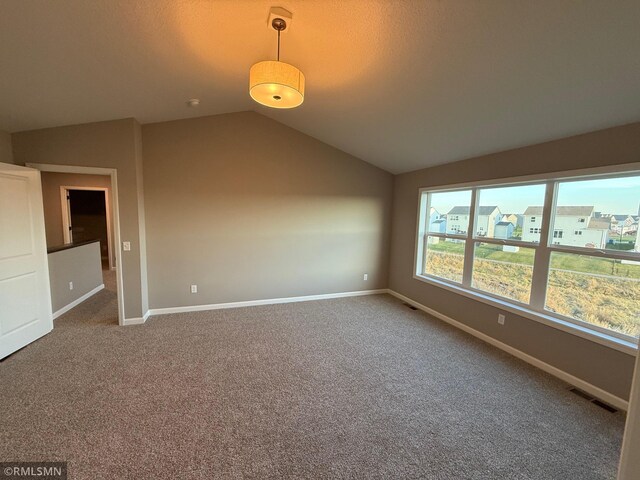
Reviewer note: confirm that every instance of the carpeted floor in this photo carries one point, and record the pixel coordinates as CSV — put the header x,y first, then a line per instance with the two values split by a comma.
x,y
351,388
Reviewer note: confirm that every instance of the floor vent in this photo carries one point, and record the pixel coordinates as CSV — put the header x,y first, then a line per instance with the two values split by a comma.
x,y
593,400
410,306
608,408
582,394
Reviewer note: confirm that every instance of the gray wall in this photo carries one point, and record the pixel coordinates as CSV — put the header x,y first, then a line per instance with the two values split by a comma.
x,y
599,365
250,209
80,265
247,209
144,284
51,183
110,144
630,460
6,153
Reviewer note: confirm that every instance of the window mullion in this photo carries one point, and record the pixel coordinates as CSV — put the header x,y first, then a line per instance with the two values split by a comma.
x,y
424,205
543,254
469,245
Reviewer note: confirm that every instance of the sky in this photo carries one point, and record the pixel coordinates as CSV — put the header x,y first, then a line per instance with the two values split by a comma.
x,y
616,195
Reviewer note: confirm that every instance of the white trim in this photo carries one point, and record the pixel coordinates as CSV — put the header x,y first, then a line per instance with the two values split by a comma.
x,y
45,167
588,333
267,301
65,208
556,372
134,321
77,301
137,320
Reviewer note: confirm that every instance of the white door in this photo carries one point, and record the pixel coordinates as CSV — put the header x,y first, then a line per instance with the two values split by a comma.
x,y
25,298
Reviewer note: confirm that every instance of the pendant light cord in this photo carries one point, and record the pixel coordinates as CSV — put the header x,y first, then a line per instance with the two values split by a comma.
x,y
279,25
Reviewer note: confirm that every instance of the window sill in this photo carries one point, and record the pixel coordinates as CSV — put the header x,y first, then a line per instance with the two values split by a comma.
x,y
610,341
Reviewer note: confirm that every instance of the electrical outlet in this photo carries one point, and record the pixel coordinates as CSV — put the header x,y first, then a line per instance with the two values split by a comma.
x,y
194,288
126,246
365,276
501,319
70,285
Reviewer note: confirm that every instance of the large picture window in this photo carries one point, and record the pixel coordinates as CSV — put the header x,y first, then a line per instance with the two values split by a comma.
x,y
567,248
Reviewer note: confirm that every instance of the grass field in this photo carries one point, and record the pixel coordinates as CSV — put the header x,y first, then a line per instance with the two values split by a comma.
x,y
561,261
610,298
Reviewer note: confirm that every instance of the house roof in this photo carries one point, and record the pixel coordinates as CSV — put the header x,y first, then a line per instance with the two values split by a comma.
x,y
571,210
459,210
620,217
598,224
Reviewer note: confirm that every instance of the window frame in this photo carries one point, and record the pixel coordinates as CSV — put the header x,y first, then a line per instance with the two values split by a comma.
x,y
535,309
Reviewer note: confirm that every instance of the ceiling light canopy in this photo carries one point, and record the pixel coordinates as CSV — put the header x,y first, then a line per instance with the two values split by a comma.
x,y
274,83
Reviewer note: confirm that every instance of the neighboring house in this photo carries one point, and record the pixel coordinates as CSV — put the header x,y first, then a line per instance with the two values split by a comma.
x,y
458,219
504,230
598,223
514,218
437,223
574,225
439,226
621,224
596,235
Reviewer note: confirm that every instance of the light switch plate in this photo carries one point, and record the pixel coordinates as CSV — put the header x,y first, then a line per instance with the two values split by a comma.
x,y
126,246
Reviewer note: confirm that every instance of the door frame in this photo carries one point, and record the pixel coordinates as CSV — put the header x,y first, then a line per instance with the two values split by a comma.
x,y
66,216
113,173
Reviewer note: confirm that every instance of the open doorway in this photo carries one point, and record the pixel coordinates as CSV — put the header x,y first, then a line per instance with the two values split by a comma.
x,y
84,260
86,216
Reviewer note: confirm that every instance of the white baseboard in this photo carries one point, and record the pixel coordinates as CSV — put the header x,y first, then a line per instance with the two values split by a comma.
x,y
556,372
268,301
136,320
77,301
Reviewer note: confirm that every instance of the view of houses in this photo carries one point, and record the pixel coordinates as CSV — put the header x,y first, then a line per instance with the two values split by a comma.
x,y
579,226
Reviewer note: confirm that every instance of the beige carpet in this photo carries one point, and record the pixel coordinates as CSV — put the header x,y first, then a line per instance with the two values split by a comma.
x,y
351,388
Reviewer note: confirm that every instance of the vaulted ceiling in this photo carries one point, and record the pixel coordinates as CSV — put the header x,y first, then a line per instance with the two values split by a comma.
x,y
400,84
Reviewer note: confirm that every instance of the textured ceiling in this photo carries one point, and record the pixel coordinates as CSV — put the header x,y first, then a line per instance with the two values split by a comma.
x,y
400,84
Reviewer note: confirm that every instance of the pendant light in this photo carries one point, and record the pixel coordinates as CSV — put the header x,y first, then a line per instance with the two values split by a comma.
x,y
276,84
